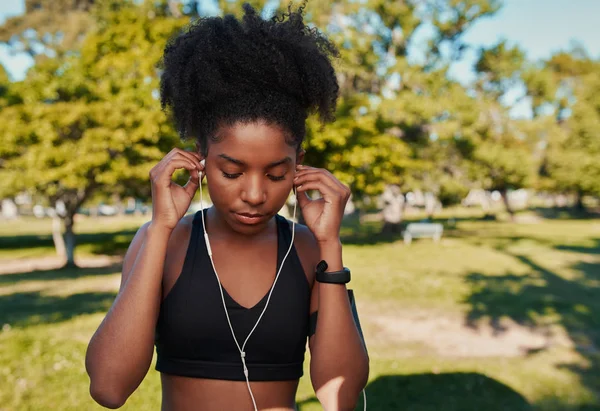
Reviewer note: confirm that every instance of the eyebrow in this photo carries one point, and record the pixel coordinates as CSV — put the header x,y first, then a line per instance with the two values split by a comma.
x,y
270,165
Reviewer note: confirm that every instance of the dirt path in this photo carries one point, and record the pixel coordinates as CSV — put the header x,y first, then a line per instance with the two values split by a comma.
x,y
448,335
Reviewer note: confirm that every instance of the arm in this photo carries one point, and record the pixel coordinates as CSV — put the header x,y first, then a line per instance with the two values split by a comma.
x,y
120,352
339,366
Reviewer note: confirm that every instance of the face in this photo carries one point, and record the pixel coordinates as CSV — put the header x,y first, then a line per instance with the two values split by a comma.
x,y
249,173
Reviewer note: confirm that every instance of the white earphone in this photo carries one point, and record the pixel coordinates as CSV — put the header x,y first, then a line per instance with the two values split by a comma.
x,y
241,349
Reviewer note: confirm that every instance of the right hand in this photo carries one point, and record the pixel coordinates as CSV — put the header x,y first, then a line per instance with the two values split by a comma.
x,y
171,201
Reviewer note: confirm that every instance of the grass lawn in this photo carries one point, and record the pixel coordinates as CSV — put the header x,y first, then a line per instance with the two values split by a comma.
x,y
497,316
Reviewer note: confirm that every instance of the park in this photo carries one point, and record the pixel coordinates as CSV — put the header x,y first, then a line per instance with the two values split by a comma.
x,y
473,230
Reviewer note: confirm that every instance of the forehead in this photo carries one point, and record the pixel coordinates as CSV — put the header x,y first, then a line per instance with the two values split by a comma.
x,y
254,142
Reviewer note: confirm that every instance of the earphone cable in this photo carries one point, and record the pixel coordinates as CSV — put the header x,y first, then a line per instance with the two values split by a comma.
x,y
241,349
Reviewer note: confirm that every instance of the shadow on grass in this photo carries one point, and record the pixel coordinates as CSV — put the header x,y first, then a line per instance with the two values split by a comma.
x,y
58,274
594,249
564,213
98,243
433,392
541,296
30,308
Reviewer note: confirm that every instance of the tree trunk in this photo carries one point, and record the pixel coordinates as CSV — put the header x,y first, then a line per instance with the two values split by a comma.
x,y
504,193
393,210
430,203
579,206
69,240
59,242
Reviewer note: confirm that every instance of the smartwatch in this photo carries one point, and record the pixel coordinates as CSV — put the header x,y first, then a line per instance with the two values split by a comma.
x,y
331,277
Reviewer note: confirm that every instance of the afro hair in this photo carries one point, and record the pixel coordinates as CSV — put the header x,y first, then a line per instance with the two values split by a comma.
x,y
221,71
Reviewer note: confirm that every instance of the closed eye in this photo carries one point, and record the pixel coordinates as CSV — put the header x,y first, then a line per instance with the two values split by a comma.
x,y
236,175
231,176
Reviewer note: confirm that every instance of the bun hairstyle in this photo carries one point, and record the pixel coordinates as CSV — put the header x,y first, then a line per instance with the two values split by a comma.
x,y
222,70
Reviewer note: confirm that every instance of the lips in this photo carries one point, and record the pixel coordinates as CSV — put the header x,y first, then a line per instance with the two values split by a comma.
x,y
250,215
249,218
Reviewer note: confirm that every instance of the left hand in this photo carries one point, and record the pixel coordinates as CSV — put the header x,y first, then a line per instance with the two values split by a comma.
x,y
323,216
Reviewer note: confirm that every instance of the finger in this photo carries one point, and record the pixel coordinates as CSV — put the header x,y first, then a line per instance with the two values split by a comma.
x,y
179,163
327,193
193,183
177,153
322,171
193,157
196,157
303,198
325,181
164,175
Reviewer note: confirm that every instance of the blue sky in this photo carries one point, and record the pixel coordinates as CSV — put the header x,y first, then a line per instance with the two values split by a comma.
x,y
540,27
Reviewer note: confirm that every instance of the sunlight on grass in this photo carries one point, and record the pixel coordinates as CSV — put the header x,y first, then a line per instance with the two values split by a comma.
x,y
543,276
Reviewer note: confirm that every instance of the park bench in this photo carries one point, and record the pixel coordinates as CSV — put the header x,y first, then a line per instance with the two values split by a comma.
x,y
423,230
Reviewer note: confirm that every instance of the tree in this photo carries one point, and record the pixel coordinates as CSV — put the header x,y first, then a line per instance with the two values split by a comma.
x,y
502,157
564,91
48,26
91,123
4,85
398,116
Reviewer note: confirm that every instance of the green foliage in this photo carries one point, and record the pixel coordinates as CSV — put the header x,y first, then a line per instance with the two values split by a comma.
x,y
572,161
86,121
358,150
4,80
48,27
565,90
499,67
502,156
91,122
400,122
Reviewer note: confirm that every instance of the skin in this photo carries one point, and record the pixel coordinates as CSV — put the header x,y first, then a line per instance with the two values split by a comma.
x,y
251,169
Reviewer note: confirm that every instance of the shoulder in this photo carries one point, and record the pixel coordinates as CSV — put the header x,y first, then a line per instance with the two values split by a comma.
x,y
177,248
180,236
304,237
307,248
175,252
184,226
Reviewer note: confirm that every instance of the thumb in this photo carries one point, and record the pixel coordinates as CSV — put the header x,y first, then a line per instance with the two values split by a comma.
x,y
193,183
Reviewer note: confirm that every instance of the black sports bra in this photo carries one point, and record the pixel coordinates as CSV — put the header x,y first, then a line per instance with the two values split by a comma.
x,y
193,338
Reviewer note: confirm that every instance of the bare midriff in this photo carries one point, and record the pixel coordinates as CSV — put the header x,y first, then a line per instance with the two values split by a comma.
x,y
199,394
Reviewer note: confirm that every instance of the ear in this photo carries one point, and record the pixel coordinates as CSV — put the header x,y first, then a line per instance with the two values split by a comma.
x,y
300,156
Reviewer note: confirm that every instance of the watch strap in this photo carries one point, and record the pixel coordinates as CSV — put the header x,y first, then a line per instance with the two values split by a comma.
x,y
331,277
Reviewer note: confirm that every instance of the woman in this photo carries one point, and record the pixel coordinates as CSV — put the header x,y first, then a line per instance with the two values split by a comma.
x,y
229,311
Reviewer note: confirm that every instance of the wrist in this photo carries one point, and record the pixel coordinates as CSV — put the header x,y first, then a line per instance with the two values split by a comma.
x,y
158,230
331,252
334,243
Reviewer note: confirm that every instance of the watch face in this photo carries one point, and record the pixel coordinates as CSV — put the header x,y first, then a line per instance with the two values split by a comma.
x,y
322,266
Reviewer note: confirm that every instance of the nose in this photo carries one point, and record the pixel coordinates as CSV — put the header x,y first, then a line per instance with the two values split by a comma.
x,y
253,191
